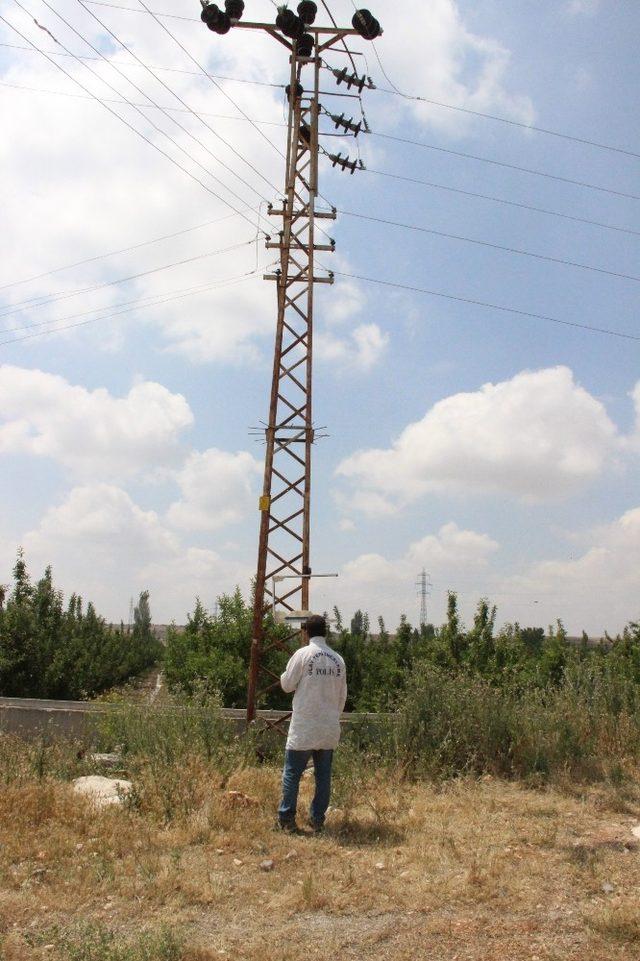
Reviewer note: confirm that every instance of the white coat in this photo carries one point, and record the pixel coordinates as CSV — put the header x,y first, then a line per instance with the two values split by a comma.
x,y
319,678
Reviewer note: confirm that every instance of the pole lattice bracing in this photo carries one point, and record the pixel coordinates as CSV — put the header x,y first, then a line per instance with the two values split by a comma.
x,y
284,568
424,586
284,544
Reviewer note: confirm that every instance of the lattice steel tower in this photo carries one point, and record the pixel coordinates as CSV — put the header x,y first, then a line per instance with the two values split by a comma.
x,y
424,585
284,564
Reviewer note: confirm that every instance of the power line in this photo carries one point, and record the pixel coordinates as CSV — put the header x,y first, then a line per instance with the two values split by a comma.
x,y
204,72
93,310
113,253
57,329
502,200
131,103
118,117
508,166
157,106
115,6
335,24
489,116
193,73
56,298
183,102
379,173
482,303
417,143
486,243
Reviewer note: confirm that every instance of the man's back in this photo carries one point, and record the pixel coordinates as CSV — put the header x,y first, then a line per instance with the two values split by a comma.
x,y
317,674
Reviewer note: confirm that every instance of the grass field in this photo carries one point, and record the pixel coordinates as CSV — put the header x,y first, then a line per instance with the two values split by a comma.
x,y
477,869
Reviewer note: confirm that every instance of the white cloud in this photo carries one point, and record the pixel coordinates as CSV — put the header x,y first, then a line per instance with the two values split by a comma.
x,y
90,432
347,299
583,7
386,585
429,51
71,190
537,436
598,590
217,489
102,545
362,349
347,525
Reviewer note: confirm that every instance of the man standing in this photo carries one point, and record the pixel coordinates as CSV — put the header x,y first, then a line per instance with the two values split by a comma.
x,y
319,678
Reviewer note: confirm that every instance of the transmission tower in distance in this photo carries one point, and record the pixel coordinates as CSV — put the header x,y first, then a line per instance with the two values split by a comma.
x,y
284,567
424,587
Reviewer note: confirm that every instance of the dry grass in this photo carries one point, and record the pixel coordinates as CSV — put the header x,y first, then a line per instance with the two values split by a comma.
x,y
469,871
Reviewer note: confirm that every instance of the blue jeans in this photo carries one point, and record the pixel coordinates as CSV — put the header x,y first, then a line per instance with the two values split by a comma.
x,y
295,763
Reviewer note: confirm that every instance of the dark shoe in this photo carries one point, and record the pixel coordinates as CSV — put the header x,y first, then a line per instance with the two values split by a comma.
x,y
289,827
316,827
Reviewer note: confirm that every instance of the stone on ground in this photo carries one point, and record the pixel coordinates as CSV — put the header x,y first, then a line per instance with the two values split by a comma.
x,y
103,791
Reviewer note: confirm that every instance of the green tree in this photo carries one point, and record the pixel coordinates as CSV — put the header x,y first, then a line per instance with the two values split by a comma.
x,y
47,651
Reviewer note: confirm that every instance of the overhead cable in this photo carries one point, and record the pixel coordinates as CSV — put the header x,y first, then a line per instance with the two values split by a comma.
x,y
116,6
99,310
173,120
193,73
115,114
501,200
180,100
502,163
113,253
204,72
487,243
379,173
83,323
131,103
482,303
489,116
56,298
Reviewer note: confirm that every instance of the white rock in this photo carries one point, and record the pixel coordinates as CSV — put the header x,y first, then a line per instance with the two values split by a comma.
x,y
608,888
267,865
103,791
636,831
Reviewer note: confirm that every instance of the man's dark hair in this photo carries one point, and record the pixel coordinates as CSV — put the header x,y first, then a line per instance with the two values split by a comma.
x,y
316,626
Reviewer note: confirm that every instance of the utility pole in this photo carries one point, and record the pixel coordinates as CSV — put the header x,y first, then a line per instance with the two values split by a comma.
x,y
424,585
284,564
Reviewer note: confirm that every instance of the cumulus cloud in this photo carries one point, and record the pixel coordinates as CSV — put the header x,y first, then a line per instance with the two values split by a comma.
x,y
90,432
362,349
95,203
437,56
539,435
102,545
596,590
217,488
382,584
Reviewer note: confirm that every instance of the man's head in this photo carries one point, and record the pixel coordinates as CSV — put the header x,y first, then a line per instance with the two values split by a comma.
x,y
316,626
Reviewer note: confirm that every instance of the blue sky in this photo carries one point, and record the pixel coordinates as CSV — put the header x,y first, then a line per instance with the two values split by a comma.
x,y
497,451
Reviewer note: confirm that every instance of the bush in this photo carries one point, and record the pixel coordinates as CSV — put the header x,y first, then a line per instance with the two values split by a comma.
x,y
587,726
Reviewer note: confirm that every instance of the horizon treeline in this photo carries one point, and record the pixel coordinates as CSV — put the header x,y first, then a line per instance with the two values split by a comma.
x,y
381,667
49,650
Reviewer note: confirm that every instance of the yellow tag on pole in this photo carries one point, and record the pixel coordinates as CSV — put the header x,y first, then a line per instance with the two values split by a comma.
x,y
264,503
